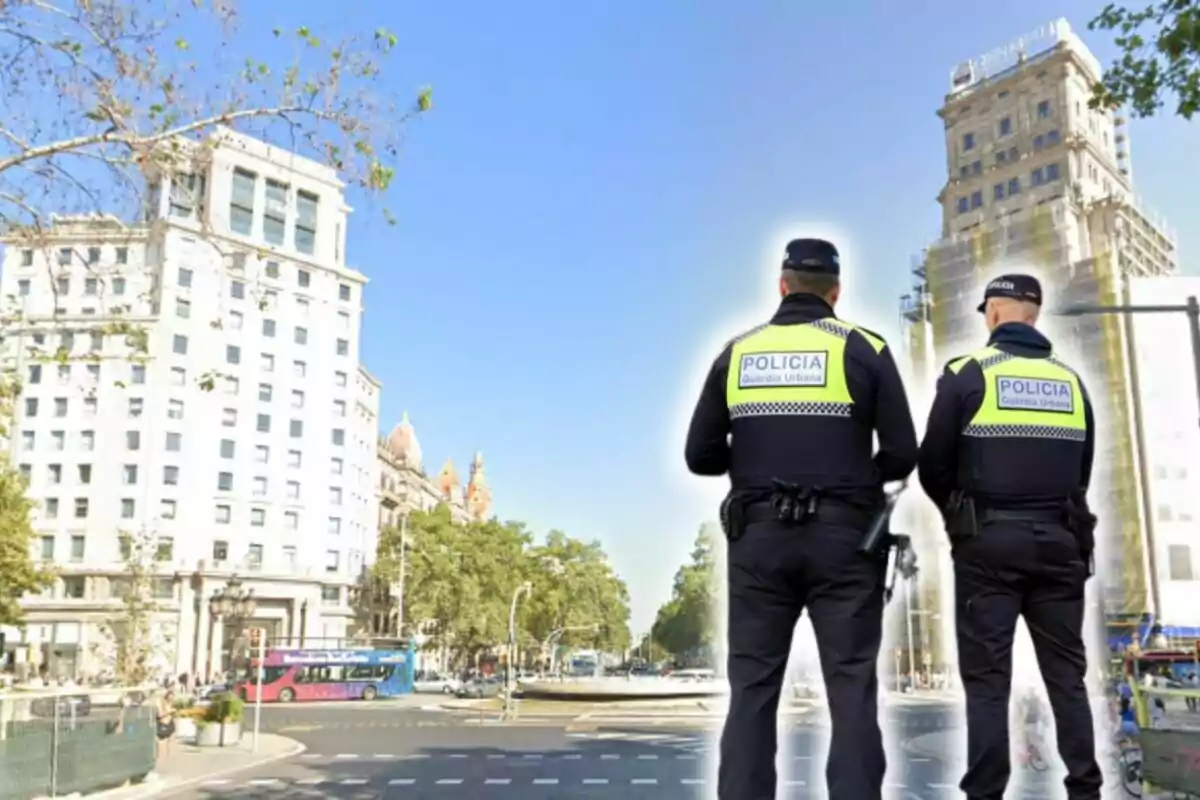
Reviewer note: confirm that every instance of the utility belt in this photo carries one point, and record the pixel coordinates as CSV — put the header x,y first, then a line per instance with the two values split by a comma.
x,y
964,516
796,505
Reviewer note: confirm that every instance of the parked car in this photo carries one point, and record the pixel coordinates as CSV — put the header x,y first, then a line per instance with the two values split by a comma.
x,y
490,686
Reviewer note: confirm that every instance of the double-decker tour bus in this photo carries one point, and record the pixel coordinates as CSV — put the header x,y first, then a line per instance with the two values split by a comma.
x,y
345,673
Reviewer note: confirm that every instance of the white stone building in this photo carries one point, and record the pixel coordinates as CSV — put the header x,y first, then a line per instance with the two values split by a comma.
x,y
243,435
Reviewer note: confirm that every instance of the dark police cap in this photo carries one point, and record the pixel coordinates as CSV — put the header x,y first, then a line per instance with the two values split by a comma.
x,y
1014,287
812,255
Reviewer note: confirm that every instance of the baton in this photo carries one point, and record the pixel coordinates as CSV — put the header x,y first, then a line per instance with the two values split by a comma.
x,y
874,535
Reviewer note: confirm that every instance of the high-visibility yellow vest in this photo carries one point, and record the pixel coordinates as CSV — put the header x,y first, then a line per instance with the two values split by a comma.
x,y
1039,398
792,370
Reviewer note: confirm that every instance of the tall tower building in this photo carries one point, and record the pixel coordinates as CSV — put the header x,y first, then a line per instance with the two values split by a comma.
x,y
1037,180
195,378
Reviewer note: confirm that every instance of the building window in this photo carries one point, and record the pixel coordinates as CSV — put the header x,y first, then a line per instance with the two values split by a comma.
x,y
332,560
133,440
264,392
1052,138
272,269
1179,560
339,379
303,278
962,205
968,141
241,202
227,448
266,362
262,454
74,587
233,354
260,486
335,496
60,406
170,476
118,286
1014,186
275,213
174,409
258,517
87,441
291,520
976,199
47,547
299,369
268,328
127,508
130,475
1006,126
306,222
1051,172
231,385
174,442
90,287
187,194
222,518
294,459
235,320
343,347
50,508
301,335
237,290
263,424
81,508
1043,109
297,398
166,509
336,465
296,428
165,550
77,548
331,595
339,408
335,526
293,490
224,481
179,345
344,292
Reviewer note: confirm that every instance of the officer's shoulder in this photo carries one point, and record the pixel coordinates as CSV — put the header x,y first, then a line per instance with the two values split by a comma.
x,y
872,338
955,365
743,335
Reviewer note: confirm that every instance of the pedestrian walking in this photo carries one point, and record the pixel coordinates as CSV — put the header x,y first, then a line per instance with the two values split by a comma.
x,y
788,412
1007,457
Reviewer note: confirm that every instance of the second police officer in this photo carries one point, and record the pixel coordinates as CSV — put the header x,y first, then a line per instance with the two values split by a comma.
x,y
789,411
1007,456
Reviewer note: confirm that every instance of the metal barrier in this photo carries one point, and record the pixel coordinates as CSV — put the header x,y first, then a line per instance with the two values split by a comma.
x,y
1169,722
79,740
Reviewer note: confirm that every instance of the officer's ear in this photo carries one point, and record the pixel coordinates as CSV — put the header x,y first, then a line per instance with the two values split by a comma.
x,y
834,294
783,287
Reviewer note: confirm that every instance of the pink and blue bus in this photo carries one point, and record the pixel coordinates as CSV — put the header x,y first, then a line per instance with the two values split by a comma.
x,y
342,674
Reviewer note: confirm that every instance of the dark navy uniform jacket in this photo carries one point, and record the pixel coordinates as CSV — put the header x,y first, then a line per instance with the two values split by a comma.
x,y
880,406
959,396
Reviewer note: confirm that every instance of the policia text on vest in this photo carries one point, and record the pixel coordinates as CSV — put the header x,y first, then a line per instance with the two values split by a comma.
x,y
1007,456
789,411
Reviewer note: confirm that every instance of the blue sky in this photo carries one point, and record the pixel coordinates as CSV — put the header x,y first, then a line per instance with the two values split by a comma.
x,y
591,210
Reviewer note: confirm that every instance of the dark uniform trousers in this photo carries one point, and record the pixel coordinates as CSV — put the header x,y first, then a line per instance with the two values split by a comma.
x,y
776,570
1034,570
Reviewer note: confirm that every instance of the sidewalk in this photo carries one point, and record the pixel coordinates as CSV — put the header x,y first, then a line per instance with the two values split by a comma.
x,y
187,765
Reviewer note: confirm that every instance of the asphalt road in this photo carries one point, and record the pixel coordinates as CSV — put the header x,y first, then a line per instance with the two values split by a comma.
x,y
362,752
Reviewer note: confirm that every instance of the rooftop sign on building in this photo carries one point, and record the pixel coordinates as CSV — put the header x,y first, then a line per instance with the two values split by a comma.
x,y
969,73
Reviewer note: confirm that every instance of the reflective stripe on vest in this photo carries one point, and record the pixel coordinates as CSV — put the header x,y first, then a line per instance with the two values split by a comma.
x,y
792,370
1029,398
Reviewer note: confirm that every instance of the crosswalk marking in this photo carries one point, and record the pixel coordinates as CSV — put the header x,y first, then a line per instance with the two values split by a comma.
x,y
449,781
354,781
644,781
498,781
402,781
595,781
545,781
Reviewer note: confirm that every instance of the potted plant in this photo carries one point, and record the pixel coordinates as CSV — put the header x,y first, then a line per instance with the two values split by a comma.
x,y
221,725
187,719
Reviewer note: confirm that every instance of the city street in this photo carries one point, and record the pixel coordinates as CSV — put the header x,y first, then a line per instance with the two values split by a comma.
x,y
364,752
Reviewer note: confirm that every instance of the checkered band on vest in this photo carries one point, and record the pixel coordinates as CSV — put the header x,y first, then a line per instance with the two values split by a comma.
x,y
1025,432
833,330
789,409
1061,365
993,360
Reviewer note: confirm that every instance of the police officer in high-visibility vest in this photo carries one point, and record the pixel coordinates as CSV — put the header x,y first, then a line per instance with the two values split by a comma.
x,y
789,412
1007,456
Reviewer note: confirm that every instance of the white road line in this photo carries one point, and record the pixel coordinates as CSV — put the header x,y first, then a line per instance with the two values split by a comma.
x,y
310,782
354,781
458,755
950,787
496,756
647,757
402,781
215,783
545,781
794,783
416,756
692,781
449,781
263,782
498,781
384,755
609,757
919,760
595,781
572,756
346,755
644,781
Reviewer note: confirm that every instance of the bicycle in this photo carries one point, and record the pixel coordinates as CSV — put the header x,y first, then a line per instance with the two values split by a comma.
x,y
1129,765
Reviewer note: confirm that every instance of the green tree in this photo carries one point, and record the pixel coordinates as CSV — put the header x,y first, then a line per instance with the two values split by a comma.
x,y
140,647
20,574
687,622
575,590
1159,55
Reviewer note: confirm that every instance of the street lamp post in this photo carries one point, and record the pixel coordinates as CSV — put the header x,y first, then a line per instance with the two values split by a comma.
x,y
1190,307
524,589
232,602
